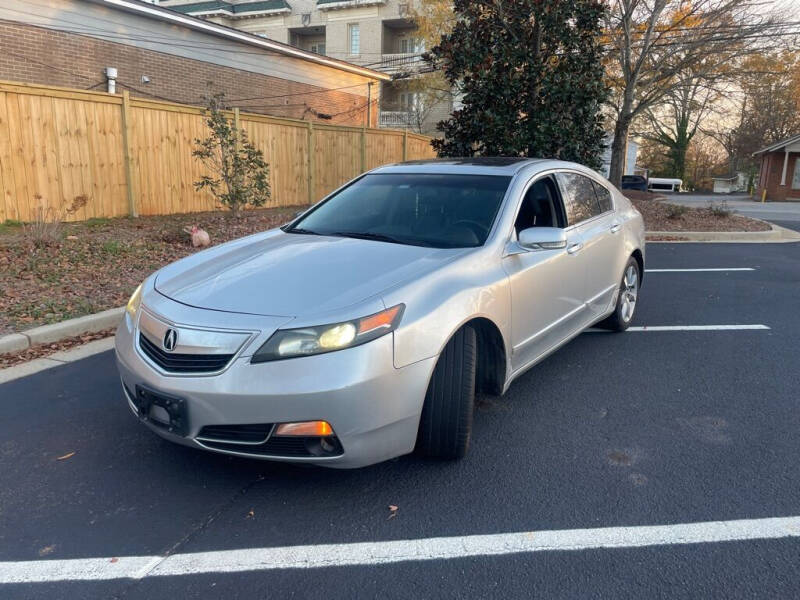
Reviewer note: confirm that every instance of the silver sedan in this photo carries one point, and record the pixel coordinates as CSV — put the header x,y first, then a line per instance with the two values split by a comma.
x,y
363,329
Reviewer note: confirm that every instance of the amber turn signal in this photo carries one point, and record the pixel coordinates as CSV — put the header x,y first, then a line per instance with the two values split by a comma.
x,y
305,429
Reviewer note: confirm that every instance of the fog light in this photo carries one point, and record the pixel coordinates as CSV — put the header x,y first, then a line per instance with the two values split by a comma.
x,y
305,429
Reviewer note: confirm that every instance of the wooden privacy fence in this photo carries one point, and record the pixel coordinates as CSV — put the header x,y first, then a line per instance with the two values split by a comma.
x,y
133,156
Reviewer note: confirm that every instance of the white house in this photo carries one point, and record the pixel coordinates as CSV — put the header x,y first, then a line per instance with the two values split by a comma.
x,y
630,159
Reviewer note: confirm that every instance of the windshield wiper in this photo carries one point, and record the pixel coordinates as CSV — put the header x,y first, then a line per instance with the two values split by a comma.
x,y
301,230
378,237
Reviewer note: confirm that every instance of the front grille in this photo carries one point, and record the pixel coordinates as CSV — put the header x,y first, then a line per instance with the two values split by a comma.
x,y
242,434
183,363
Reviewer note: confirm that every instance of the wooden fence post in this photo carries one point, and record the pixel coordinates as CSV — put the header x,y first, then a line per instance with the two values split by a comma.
x,y
405,145
311,151
363,149
126,148
237,124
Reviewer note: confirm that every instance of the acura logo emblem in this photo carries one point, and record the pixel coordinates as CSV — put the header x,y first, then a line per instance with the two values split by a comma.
x,y
170,339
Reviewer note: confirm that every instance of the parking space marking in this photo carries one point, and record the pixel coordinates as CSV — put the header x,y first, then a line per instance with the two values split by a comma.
x,y
697,327
646,328
699,270
379,553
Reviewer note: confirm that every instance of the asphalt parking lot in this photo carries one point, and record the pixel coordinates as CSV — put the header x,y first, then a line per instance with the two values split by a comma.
x,y
614,433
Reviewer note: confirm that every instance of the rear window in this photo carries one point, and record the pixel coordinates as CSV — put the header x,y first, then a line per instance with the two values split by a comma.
x,y
424,209
603,197
579,197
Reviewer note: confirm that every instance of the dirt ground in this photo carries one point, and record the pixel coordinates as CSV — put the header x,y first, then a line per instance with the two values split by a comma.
x,y
660,215
98,263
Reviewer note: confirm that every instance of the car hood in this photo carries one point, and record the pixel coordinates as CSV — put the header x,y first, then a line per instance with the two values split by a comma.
x,y
281,274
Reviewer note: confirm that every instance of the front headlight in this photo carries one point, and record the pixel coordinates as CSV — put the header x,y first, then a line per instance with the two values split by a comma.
x,y
134,303
305,341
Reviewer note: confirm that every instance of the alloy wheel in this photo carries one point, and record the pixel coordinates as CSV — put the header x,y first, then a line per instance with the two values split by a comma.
x,y
630,291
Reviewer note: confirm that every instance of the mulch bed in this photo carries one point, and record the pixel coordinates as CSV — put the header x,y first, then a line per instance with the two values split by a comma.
x,y
660,215
45,350
98,263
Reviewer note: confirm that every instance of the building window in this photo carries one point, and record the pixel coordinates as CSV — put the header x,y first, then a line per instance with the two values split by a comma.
x,y
354,36
318,48
796,178
409,45
410,101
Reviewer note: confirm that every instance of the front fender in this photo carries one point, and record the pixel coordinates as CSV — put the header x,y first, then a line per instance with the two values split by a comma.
x,y
439,305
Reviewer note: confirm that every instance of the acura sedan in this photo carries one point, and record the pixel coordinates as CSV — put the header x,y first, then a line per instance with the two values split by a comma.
x,y
363,329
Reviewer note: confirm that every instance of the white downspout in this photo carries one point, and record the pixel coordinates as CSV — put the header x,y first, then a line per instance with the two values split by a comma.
x,y
111,74
785,165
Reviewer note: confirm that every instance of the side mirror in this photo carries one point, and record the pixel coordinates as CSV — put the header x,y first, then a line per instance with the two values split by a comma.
x,y
542,238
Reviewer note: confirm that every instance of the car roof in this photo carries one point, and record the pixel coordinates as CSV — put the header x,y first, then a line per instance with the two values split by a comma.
x,y
478,165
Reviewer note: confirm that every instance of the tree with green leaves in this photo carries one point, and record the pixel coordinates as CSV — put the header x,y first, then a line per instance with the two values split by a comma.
x,y
238,174
530,77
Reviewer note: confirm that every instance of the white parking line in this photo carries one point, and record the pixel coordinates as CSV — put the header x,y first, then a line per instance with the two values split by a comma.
x,y
697,270
696,327
379,553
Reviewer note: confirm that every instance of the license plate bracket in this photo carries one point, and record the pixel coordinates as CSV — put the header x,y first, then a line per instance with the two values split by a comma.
x,y
175,407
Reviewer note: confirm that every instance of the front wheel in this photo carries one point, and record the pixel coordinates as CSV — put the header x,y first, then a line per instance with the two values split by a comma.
x,y
445,425
628,295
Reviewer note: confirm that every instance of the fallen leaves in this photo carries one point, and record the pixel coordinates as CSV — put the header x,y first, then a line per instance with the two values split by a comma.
x,y
392,511
47,550
102,261
250,514
43,350
66,456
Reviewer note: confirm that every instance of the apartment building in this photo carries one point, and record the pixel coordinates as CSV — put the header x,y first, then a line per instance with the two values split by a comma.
x,y
379,34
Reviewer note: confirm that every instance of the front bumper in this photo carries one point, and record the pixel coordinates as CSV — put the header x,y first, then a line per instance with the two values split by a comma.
x,y
373,407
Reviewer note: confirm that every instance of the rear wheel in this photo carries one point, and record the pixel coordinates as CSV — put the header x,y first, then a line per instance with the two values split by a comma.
x,y
628,295
446,422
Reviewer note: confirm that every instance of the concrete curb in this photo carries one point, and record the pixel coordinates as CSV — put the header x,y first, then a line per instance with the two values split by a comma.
x,y
55,360
776,235
56,332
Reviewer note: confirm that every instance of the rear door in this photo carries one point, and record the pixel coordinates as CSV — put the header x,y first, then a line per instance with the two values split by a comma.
x,y
604,238
593,211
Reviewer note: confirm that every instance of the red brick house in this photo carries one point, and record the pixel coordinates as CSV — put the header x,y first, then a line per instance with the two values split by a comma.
x,y
780,170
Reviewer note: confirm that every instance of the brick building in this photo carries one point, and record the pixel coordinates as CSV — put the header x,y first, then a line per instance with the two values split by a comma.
x,y
155,52
780,170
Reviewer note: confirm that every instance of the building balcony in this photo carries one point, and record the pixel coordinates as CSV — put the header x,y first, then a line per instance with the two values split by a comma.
x,y
396,119
398,63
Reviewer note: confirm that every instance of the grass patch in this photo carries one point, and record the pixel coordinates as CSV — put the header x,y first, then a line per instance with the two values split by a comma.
x,y
10,226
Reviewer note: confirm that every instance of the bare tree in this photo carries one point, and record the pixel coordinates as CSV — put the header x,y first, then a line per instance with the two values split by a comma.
x,y
656,42
674,123
767,87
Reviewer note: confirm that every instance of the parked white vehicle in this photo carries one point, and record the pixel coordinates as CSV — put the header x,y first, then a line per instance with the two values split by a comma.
x,y
664,184
363,328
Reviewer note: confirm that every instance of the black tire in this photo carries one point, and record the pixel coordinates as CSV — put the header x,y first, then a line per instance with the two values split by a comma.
x,y
619,320
446,422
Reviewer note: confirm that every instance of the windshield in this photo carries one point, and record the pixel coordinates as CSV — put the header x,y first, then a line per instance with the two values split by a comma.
x,y
442,211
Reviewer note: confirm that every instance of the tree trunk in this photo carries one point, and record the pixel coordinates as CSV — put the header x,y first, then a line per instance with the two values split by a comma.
x,y
619,151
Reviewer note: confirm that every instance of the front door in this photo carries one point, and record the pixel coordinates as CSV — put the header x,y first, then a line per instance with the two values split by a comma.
x,y
547,286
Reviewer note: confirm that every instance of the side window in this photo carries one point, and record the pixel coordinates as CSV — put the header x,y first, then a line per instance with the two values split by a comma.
x,y
603,197
541,206
579,197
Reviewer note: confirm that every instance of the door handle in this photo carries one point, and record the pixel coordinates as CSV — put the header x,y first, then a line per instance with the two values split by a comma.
x,y
616,227
575,248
